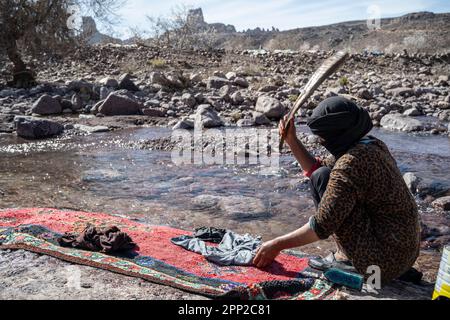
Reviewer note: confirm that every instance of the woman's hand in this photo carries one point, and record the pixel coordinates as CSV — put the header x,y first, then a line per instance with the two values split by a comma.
x,y
266,254
289,134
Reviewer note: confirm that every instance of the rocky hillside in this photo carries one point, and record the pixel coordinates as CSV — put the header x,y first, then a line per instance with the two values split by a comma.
x,y
415,32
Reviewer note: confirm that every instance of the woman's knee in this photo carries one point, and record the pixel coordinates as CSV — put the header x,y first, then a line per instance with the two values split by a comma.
x,y
319,179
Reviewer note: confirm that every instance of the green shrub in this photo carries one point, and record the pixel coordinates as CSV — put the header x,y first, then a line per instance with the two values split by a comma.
x,y
157,63
343,81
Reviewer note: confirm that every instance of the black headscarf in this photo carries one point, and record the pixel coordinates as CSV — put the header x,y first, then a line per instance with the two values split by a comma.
x,y
341,123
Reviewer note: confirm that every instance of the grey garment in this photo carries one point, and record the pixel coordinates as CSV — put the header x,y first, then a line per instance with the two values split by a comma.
x,y
234,249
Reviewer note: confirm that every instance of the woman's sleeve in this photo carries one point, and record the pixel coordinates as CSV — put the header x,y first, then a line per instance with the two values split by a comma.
x,y
336,204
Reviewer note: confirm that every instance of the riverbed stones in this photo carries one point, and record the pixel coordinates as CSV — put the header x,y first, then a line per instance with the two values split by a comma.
x,y
234,207
401,122
412,112
442,203
91,129
207,117
36,128
215,82
117,104
109,82
184,123
126,83
46,105
270,107
412,181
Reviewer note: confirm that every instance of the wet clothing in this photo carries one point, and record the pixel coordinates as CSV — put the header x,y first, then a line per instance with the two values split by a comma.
x,y
108,240
234,249
363,201
341,123
210,234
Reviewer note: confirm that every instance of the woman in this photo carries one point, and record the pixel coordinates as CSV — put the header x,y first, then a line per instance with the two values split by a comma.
x,y
361,198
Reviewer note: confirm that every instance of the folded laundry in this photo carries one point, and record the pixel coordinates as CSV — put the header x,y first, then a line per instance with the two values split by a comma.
x,y
106,240
210,234
234,249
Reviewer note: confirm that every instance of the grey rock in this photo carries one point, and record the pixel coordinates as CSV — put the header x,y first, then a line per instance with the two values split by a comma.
x,y
91,129
153,112
401,122
403,92
442,203
46,105
189,100
109,82
126,83
104,92
412,112
412,181
364,94
116,105
184,124
216,82
207,117
241,82
77,102
35,128
260,119
245,123
270,107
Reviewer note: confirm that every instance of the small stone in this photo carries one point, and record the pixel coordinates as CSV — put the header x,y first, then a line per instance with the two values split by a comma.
x,y
442,203
216,82
412,112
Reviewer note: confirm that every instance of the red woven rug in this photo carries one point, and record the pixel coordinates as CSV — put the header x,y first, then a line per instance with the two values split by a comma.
x,y
156,259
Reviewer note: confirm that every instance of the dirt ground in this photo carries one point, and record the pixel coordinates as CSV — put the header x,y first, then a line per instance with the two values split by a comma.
x,y
30,276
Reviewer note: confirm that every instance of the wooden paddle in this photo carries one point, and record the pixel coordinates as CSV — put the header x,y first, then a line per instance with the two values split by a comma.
x,y
329,67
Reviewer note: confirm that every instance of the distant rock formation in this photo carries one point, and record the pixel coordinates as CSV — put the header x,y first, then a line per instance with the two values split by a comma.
x,y
196,20
91,35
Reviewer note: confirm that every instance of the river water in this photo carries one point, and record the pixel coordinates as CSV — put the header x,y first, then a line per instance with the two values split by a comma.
x,y
101,173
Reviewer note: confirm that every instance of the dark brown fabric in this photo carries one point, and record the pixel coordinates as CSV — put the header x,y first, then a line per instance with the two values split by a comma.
x,y
106,240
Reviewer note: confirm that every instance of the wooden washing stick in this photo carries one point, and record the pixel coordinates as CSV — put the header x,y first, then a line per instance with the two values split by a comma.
x,y
329,67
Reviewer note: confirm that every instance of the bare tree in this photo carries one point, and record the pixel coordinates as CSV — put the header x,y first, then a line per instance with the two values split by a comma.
x,y
37,24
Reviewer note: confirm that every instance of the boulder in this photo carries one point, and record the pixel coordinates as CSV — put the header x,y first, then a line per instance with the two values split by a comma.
x,y
270,107
35,128
109,82
116,105
401,122
126,83
153,112
412,181
364,94
216,82
442,203
241,82
77,102
189,100
260,119
184,124
207,117
46,105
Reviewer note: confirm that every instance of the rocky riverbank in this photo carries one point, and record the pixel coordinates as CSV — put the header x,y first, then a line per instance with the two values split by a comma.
x,y
88,101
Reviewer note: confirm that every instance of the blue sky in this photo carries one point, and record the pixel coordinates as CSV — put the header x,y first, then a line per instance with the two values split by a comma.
x,y
283,14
